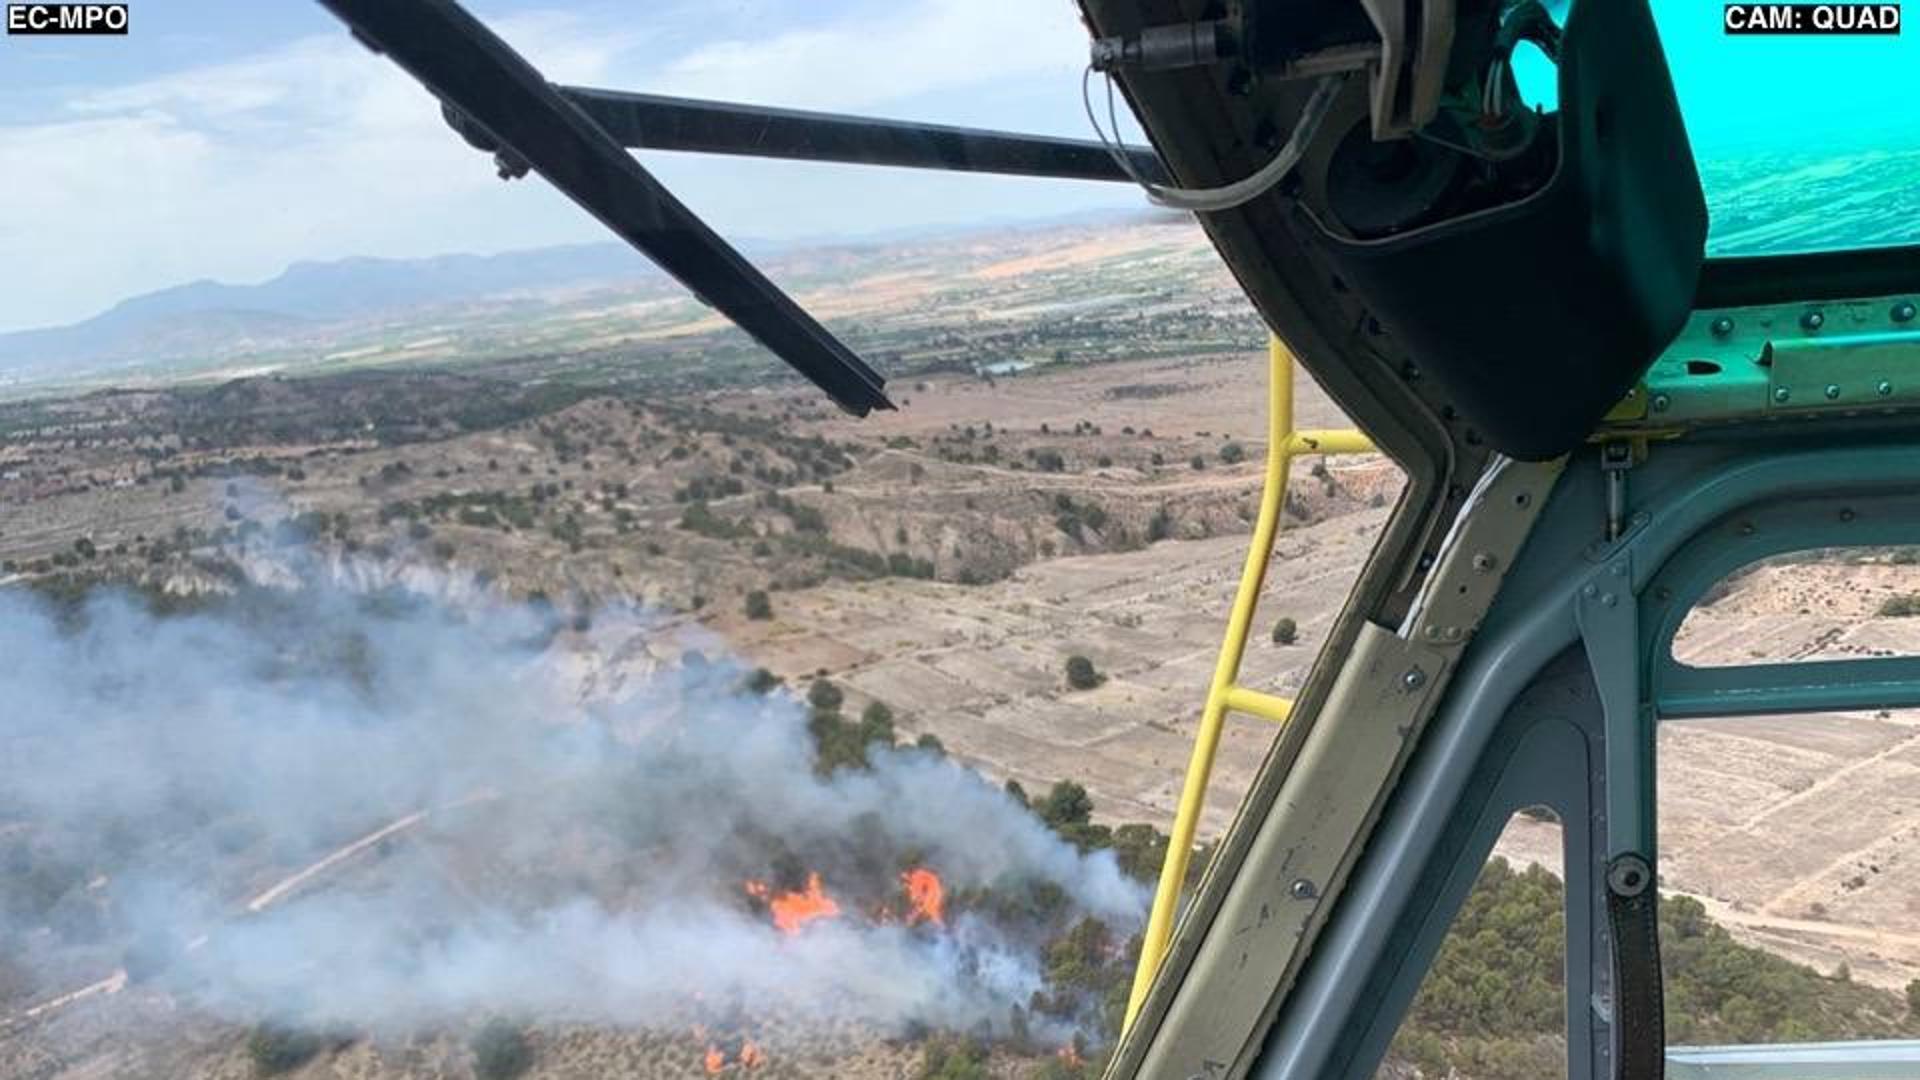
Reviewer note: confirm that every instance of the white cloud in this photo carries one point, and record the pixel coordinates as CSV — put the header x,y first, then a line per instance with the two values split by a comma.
x,y
321,149
936,45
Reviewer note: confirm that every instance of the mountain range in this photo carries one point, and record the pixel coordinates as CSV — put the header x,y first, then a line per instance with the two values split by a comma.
x,y
305,298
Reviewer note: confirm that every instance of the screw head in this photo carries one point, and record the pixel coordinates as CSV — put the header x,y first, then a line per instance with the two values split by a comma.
x,y
1722,326
1884,388
1414,679
1833,391
1781,394
1846,515
1629,875
1903,311
1812,320
1660,403
1302,889
1484,562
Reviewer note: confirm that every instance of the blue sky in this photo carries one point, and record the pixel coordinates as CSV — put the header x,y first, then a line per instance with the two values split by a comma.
x,y
226,139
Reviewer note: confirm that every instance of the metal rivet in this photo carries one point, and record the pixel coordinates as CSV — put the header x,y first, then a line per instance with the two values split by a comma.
x,y
1607,599
1884,388
1589,592
1812,320
1629,875
1302,889
1484,562
1660,403
1414,679
1722,326
1846,515
1833,391
1781,394
1903,311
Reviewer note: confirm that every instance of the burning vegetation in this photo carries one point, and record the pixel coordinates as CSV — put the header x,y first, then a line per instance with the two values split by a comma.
x,y
419,802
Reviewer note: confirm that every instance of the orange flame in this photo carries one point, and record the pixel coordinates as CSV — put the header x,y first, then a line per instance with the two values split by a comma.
x,y
1069,1055
792,910
927,896
715,1061
751,1056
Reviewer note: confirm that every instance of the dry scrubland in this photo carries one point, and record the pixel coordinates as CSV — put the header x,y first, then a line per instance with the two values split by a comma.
x,y
946,559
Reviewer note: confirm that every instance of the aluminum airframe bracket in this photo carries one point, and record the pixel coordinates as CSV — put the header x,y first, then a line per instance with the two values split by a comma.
x,y
1860,518
1606,611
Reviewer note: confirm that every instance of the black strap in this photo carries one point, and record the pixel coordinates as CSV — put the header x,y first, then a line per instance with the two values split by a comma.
x,y
1639,1025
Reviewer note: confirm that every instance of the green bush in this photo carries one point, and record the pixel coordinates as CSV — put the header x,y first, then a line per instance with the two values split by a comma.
x,y
500,1051
1900,607
825,696
1082,675
758,605
950,1057
274,1049
876,724
1233,453
761,682
1285,632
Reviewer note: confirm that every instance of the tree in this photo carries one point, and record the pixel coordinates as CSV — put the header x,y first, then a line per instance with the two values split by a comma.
x,y
762,682
758,605
1285,632
876,724
824,696
1081,674
931,743
1067,803
500,1051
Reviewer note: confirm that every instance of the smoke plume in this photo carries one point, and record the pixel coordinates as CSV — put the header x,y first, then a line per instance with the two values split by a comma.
x,y
383,812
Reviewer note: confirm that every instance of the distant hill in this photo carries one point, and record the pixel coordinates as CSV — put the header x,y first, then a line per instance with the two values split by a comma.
x,y
209,315
312,307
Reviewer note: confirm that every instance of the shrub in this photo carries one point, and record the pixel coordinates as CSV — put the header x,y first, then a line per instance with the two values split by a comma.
x,y
825,696
275,1049
1285,632
1160,526
876,724
1233,453
931,743
1197,462
1082,675
762,682
1900,607
500,1051
1067,803
758,605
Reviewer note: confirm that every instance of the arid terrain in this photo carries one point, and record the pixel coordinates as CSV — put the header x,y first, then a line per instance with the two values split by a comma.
x,y
1071,473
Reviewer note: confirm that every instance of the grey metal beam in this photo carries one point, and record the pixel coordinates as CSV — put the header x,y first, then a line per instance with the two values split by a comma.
x,y
657,122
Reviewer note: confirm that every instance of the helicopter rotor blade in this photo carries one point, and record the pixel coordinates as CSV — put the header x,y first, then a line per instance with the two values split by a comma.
x,y
501,103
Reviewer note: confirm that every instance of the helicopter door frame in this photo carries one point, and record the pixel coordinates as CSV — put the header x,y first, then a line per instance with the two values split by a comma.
x,y
1524,722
